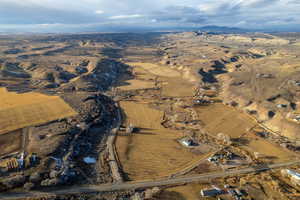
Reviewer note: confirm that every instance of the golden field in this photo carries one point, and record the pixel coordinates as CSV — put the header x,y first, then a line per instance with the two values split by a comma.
x,y
153,152
137,84
218,118
267,150
10,142
30,109
158,70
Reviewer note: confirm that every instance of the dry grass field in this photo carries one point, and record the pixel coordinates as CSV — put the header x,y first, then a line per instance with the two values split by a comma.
x,y
267,150
218,118
30,109
142,74
153,152
158,70
137,84
10,142
172,83
174,87
186,192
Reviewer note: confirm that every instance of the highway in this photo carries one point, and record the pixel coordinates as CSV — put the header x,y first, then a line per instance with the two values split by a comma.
x,y
138,185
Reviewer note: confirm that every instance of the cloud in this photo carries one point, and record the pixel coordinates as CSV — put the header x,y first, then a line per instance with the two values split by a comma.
x,y
99,12
155,13
178,14
256,3
126,16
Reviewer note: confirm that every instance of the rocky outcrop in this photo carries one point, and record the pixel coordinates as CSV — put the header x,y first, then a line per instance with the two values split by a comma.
x,y
13,70
266,113
105,74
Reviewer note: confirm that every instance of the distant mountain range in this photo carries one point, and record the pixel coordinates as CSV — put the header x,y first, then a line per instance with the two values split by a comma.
x,y
223,29
143,29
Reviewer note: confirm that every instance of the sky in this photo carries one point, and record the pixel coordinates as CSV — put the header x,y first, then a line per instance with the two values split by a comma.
x,y
139,15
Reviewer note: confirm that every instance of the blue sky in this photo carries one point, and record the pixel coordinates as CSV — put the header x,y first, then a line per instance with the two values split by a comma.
x,y
109,15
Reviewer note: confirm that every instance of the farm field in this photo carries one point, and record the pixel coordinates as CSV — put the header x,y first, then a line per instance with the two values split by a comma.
x,y
30,109
154,151
10,142
177,90
219,118
174,87
267,150
157,70
137,84
186,192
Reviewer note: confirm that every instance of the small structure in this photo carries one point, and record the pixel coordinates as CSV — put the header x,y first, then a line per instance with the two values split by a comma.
x,y
202,102
187,142
9,164
294,117
212,192
257,155
129,129
58,163
261,75
17,162
89,160
224,138
21,160
235,193
293,175
262,134
281,105
297,118
82,126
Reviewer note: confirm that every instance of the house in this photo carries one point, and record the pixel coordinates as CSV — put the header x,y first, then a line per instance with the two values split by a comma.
x,y
212,192
293,175
187,142
89,160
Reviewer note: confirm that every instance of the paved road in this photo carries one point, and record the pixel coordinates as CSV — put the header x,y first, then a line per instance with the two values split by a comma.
x,y
136,185
113,164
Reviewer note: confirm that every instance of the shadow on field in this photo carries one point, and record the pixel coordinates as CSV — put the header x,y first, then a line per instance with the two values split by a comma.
x,y
170,195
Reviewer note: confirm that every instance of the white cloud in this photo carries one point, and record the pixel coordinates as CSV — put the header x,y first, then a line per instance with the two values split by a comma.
x,y
99,12
126,16
243,13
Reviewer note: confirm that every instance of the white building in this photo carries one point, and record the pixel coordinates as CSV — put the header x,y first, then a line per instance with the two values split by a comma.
x,y
293,175
187,142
